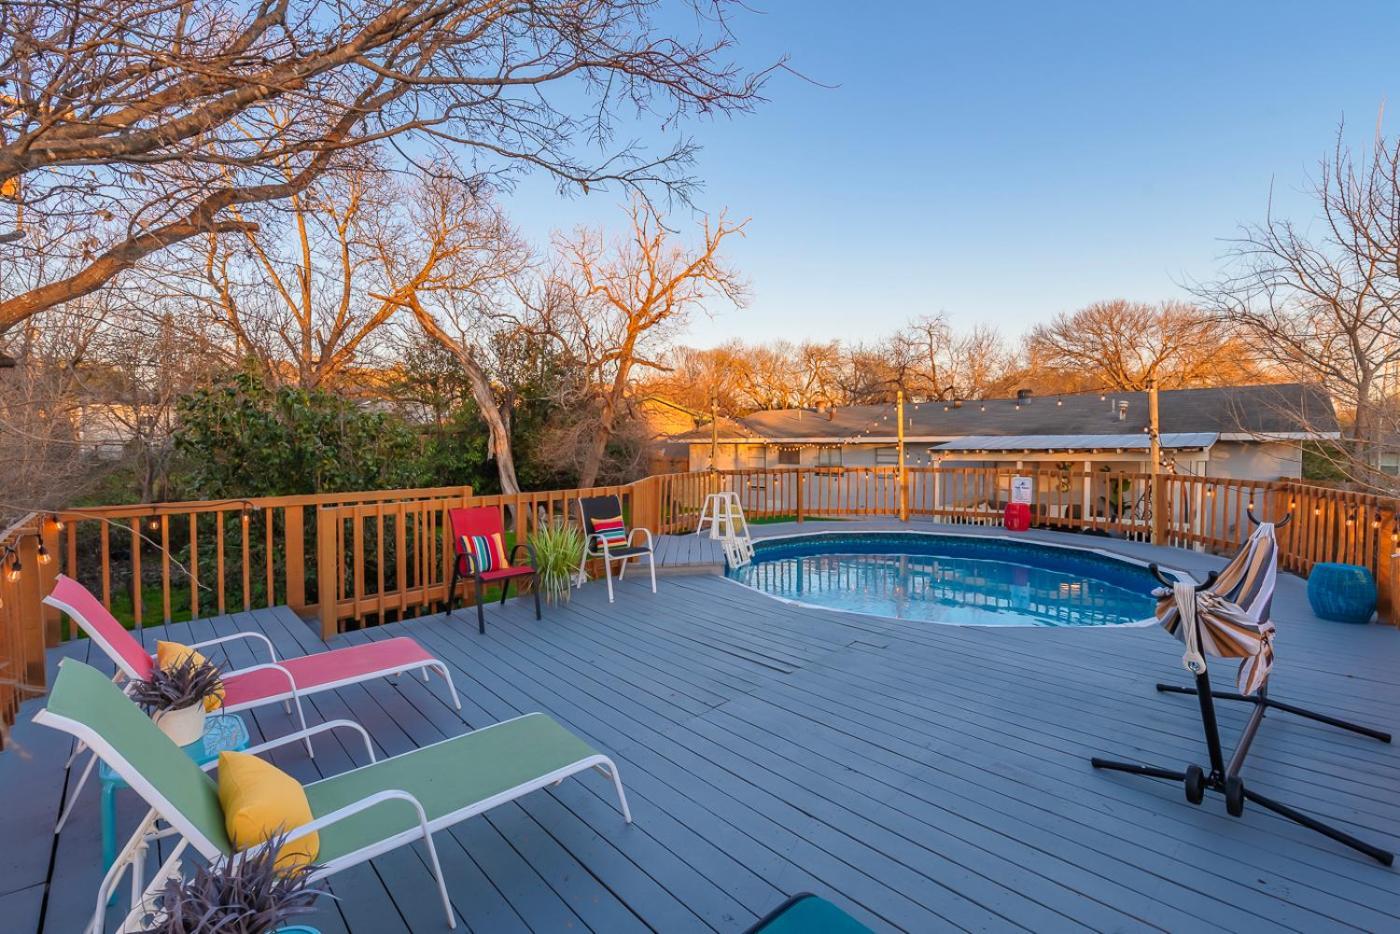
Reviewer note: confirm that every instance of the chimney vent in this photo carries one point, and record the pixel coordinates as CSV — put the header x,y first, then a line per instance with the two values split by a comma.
x,y
1122,409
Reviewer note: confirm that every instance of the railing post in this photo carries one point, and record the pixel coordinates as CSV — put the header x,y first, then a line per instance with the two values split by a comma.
x,y
48,573
294,562
327,569
1159,509
800,508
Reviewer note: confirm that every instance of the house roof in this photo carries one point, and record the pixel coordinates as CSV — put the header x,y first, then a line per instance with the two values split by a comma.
x,y
1176,440
1291,410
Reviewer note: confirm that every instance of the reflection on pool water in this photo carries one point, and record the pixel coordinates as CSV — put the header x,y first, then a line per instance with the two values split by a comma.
x,y
961,580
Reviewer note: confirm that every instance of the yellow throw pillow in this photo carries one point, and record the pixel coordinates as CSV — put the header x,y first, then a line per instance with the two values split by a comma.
x,y
260,801
170,654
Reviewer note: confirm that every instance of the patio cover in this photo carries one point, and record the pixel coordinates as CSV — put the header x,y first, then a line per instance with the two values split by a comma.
x,y
1127,442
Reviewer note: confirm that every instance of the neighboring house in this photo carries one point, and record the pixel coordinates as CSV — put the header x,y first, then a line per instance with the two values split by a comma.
x,y
1244,432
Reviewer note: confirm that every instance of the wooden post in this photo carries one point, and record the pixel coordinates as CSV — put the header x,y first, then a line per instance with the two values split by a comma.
x,y
294,564
801,509
714,431
48,573
327,569
1154,436
903,477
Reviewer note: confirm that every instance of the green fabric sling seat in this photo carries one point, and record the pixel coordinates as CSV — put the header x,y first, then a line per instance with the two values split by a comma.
x,y
358,814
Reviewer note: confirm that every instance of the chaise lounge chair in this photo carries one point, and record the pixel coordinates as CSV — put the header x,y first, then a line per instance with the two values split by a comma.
x,y
606,536
358,815
284,681
484,565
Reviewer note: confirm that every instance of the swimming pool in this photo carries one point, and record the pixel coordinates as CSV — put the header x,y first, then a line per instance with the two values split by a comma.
x,y
956,579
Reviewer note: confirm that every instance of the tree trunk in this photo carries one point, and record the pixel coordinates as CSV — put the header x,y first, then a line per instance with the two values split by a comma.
x,y
481,393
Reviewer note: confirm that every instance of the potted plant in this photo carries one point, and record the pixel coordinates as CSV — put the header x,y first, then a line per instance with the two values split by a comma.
x,y
246,893
556,549
175,697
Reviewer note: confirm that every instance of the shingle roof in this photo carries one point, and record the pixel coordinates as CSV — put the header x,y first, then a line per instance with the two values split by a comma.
x,y
1170,440
1284,408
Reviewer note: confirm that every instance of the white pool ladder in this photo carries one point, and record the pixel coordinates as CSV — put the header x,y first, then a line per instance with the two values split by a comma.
x,y
725,516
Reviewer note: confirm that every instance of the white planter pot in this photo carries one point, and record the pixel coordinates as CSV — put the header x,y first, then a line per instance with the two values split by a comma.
x,y
183,726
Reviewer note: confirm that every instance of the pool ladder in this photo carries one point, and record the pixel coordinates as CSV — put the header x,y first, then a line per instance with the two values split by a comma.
x,y
726,521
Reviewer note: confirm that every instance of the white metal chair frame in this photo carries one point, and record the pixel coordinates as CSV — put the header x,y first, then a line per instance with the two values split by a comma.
x,y
133,855
603,551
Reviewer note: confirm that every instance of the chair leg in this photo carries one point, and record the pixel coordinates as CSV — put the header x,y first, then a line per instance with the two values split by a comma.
x,y
441,882
505,591
609,768
301,716
651,560
73,794
480,606
451,688
452,589
607,573
535,589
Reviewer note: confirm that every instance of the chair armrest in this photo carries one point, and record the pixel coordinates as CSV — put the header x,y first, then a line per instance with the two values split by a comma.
x,y
239,635
645,532
299,735
529,551
267,666
593,543
350,810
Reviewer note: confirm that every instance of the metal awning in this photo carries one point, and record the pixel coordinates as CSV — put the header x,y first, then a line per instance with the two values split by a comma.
x,y
1176,441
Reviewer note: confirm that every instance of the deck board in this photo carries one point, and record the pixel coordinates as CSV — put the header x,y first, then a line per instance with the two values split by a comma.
x,y
924,777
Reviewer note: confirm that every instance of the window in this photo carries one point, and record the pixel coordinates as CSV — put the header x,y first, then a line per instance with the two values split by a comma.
x,y
829,457
753,457
886,457
789,457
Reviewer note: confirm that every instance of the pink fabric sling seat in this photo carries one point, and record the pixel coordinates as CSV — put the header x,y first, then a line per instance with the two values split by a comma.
x,y
265,683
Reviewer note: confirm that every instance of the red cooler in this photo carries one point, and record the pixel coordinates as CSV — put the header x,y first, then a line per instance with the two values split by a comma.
x,y
1018,517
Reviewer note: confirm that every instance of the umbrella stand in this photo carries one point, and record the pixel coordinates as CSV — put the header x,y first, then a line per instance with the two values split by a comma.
x,y
1224,779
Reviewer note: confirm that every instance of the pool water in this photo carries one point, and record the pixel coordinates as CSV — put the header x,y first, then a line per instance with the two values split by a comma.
x,y
959,580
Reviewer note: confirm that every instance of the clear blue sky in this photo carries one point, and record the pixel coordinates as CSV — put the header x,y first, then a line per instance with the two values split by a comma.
x,y
1005,161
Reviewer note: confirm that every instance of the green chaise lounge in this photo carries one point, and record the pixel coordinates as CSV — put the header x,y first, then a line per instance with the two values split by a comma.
x,y
359,814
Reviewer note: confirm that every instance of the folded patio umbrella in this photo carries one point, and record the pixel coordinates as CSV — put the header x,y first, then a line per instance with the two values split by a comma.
x,y
1229,619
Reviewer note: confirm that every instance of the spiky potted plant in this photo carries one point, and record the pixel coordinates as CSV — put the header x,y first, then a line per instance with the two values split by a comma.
x,y
556,548
176,696
246,893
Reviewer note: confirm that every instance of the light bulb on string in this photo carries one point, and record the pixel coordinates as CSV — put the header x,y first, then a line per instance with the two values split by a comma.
x,y
42,554
13,572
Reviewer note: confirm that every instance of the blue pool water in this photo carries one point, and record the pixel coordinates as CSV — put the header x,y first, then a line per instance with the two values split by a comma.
x,y
962,580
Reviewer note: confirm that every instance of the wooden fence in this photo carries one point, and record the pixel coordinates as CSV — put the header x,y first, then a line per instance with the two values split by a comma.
x,y
27,627
363,558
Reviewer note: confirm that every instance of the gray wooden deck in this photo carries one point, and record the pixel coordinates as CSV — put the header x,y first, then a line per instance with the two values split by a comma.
x,y
924,777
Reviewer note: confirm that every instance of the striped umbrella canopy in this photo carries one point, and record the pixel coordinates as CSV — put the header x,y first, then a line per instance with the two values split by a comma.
x,y
1230,619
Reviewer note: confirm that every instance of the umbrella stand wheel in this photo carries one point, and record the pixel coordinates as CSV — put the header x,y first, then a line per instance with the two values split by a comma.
x,y
1195,783
1234,796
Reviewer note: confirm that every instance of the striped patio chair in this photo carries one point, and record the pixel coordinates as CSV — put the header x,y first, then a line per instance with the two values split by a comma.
x,y
478,538
606,536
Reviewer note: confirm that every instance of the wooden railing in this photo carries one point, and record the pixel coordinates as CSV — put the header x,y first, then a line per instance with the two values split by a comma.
x,y
27,627
352,559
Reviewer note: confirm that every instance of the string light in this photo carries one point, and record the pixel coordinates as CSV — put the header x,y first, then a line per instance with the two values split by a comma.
x,y
43,554
57,521
13,572
153,523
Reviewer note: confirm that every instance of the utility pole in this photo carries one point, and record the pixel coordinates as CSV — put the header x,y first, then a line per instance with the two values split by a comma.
x,y
903,484
714,431
1154,437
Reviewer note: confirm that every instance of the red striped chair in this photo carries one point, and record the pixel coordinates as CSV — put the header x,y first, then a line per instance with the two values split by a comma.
x,y
479,538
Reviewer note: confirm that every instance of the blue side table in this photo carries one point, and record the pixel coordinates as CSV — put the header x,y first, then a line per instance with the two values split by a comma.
x,y
224,732
1344,593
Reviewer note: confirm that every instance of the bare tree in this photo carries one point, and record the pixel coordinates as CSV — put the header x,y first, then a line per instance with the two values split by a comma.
x,y
131,125
1120,344
1326,306
302,290
469,298
632,294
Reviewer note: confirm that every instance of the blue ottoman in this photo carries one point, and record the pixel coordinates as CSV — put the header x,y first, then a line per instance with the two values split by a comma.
x,y
1345,593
